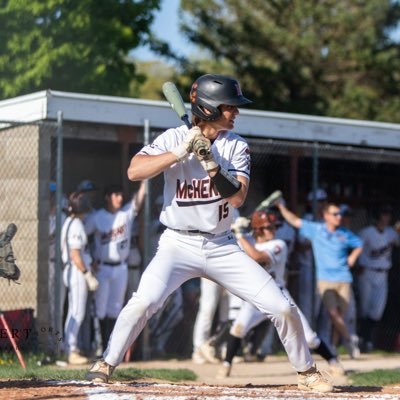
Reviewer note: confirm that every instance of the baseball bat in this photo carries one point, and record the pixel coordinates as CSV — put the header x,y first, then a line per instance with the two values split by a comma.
x,y
12,340
175,100
270,200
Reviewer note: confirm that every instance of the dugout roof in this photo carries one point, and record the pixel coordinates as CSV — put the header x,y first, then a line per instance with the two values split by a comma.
x,y
77,107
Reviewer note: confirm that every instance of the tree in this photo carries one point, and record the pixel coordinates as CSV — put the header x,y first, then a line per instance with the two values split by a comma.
x,y
76,46
323,57
155,73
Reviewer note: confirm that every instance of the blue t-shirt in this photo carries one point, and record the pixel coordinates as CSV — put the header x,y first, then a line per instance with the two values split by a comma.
x,y
330,250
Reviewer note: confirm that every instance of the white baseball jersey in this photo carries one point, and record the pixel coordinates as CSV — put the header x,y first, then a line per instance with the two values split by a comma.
x,y
112,233
191,201
377,247
277,252
77,239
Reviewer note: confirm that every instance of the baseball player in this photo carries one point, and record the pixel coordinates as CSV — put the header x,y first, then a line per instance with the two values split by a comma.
x,y
206,174
374,264
77,275
112,227
272,254
89,324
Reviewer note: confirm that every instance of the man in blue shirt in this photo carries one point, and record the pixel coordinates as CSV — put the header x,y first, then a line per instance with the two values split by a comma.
x,y
336,250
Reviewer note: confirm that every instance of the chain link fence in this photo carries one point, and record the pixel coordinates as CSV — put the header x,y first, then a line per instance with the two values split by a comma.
x,y
31,177
26,168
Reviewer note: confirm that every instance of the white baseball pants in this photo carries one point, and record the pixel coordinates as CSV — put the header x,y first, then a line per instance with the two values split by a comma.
x,y
183,256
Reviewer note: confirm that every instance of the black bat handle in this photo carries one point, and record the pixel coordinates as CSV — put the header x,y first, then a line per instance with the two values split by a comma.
x,y
185,119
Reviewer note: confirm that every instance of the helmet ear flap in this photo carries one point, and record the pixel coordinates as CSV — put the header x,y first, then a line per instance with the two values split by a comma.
x,y
213,112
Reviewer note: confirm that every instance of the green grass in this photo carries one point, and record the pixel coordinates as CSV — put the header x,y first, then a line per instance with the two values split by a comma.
x,y
10,368
377,377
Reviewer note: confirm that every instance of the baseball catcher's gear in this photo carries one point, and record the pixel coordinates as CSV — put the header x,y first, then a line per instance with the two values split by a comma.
x,y
210,91
273,199
8,268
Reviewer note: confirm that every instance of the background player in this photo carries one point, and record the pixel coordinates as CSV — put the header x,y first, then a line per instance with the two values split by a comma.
x,y
200,192
112,228
372,280
272,254
77,274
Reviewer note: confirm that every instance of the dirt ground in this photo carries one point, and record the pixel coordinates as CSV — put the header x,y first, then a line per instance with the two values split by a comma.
x,y
272,379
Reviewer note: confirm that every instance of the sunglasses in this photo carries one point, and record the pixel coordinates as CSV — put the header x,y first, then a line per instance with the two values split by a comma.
x,y
335,214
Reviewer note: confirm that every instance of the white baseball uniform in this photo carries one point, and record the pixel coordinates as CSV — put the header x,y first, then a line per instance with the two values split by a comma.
x,y
376,260
112,235
198,243
73,236
249,316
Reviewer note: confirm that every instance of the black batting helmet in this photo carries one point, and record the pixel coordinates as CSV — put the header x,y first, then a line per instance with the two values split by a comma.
x,y
210,91
78,203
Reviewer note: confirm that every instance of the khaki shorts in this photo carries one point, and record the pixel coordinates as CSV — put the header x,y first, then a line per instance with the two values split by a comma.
x,y
335,294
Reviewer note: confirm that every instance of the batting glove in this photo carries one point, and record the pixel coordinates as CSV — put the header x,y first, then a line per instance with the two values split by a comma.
x,y
239,227
185,148
202,151
91,281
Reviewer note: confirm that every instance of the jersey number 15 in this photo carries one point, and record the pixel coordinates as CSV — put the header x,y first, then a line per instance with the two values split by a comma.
x,y
223,211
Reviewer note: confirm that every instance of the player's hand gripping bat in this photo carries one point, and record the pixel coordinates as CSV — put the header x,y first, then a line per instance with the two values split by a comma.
x,y
174,98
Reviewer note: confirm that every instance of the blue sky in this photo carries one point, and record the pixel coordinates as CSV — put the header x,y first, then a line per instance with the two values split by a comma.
x,y
165,26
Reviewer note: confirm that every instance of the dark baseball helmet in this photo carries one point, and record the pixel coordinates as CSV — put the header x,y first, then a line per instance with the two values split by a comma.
x,y
79,203
210,91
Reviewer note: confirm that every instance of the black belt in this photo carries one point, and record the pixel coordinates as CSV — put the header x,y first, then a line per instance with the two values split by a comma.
x,y
193,232
379,269
111,264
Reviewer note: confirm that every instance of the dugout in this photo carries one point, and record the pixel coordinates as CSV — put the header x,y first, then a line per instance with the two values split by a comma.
x,y
356,162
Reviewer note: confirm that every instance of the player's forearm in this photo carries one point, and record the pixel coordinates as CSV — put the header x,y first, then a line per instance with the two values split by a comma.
x,y
289,216
76,258
352,258
139,196
147,166
259,256
238,198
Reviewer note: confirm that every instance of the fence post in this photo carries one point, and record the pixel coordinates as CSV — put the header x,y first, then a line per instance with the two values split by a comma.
x,y
59,195
315,167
